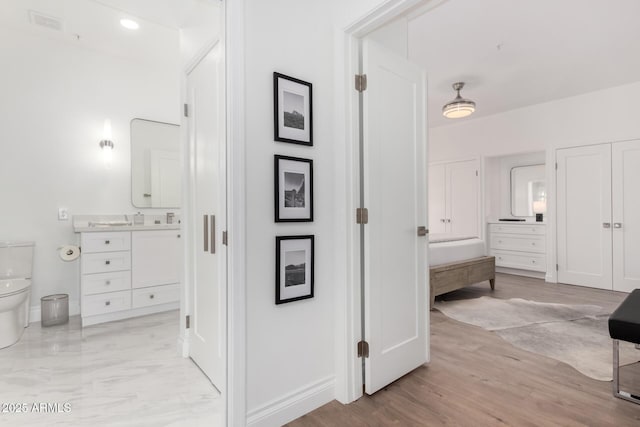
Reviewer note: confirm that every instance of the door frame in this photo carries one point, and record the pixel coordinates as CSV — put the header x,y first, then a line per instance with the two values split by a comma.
x,y
348,367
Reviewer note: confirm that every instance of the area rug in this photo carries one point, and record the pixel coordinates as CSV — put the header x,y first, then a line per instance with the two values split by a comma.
x,y
574,334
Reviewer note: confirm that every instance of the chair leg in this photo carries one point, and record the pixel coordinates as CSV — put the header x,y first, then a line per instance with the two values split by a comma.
x,y
616,376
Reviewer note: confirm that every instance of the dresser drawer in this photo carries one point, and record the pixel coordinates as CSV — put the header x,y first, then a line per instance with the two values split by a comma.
x,y
155,295
103,262
100,283
108,241
523,261
105,303
517,229
514,242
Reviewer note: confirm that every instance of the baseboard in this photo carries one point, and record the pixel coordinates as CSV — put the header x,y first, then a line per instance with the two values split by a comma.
x,y
35,312
518,272
293,405
183,346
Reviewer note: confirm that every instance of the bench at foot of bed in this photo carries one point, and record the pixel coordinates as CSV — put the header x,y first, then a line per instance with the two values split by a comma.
x,y
445,278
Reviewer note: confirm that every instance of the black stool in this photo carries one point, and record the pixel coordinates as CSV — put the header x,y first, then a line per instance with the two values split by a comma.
x,y
624,324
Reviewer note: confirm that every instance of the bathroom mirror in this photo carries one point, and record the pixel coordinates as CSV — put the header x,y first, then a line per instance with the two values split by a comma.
x,y
155,164
528,192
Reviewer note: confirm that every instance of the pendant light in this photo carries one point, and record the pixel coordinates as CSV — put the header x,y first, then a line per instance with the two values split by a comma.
x,y
459,107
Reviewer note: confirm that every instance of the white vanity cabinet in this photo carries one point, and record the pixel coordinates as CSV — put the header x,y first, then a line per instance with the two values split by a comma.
x,y
128,273
519,248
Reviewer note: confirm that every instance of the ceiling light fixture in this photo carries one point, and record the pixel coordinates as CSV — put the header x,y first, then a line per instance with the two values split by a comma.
x,y
129,24
459,107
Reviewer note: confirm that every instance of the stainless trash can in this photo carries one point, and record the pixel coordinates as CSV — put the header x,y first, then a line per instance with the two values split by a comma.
x,y
54,309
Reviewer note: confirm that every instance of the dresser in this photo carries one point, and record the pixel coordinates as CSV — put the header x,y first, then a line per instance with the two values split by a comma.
x,y
129,273
519,248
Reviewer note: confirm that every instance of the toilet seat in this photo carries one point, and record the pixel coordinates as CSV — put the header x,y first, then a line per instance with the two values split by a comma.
x,y
13,286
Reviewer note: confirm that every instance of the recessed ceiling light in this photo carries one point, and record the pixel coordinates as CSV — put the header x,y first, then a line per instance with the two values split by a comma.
x,y
129,24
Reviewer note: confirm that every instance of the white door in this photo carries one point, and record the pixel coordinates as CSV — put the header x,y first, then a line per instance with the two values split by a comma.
x,y
437,199
205,89
583,180
626,215
463,204
394,190
165,178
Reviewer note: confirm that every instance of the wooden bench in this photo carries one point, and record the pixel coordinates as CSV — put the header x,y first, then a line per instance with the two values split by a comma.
x,y
445,278
624,325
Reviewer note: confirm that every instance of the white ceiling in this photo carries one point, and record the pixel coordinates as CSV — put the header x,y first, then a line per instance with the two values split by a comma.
x,y
514,53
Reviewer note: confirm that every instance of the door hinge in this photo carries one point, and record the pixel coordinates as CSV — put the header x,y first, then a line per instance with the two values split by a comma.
x,y
557,269
361,82
188,322
224,238
362,216
556,165
186,110
363,349
476,173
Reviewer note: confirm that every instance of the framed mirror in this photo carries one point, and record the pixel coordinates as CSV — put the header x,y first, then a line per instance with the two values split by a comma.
x,y
156,170
528,191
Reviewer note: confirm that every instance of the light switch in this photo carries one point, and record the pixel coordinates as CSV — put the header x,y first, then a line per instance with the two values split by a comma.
x,y
63,214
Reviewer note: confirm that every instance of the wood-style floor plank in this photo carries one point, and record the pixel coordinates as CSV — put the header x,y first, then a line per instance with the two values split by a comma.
x,y
475,378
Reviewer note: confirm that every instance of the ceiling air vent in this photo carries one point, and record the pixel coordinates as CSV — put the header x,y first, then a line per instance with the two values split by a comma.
x,y
46,21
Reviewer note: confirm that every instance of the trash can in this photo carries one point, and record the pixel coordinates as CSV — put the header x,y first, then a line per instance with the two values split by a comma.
x,y
54,309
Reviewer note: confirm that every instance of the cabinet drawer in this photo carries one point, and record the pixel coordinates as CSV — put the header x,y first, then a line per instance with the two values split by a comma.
x,y
106,282
106,303
105,241
103,262
514,242
517,229
155,295
523,261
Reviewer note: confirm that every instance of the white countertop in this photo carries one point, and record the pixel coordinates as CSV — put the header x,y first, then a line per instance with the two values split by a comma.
x,y
87,223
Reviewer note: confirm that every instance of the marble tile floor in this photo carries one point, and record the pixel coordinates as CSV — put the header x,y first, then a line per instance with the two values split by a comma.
x,y
125,373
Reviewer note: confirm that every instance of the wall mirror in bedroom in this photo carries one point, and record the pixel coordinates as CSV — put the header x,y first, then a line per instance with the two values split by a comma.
x,y
155,164
528,191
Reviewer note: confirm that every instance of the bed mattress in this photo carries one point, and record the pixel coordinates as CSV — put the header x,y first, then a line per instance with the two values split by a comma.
x,y
445,250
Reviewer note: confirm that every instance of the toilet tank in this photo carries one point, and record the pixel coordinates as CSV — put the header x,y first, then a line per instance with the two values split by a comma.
x,y
16,259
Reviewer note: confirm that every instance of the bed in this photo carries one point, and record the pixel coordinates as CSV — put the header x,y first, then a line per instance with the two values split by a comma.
x,y
456,262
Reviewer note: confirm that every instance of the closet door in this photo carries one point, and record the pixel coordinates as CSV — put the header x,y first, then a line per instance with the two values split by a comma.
x,y
462,198
437,199
626,215
584,216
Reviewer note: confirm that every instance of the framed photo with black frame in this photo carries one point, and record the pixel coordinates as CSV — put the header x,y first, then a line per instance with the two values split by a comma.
x,y
294,268
292,110
293,189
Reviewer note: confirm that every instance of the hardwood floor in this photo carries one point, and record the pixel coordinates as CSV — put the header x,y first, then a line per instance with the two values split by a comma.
x,y
477,379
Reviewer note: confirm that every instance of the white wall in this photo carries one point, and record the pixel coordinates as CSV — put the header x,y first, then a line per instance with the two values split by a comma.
x,y
54,100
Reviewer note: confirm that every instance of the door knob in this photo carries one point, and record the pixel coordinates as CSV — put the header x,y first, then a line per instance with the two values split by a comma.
x,y
606,225
422,231
617,225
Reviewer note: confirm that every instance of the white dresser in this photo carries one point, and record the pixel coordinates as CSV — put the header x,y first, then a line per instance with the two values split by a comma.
x,y
129,273
519,248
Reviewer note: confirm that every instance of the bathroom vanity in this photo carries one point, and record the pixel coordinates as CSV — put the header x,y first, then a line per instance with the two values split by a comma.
x,y
128,270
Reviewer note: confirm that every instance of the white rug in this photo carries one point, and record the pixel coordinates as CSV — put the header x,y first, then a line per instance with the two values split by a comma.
x,y
574,334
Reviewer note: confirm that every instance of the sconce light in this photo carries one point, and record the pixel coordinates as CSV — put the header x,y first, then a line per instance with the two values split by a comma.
x,y
539,208
106,144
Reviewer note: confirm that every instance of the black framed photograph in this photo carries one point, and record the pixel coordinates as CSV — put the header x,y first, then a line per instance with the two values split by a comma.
x,y
293,189
292,110
294,268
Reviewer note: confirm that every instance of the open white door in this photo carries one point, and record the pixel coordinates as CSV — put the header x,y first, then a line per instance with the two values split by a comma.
x,y
394,192
208,310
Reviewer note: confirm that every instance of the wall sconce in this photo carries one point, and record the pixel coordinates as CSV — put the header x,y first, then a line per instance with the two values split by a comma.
x,y
539,208
106,144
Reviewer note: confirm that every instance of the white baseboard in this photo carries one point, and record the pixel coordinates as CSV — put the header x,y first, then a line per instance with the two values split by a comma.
x,y
35,312
293,405
183,346
518,272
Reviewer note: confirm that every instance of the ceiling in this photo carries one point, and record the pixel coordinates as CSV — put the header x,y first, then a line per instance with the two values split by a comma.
x,y
515,53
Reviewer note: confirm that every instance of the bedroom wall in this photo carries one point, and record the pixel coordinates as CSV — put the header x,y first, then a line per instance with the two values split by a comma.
x,y
55,98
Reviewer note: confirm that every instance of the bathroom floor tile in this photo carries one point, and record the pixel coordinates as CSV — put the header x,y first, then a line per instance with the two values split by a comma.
x,y
125,373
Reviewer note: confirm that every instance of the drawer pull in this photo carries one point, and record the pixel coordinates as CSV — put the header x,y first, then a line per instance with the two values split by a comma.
x,y
107,262
107,303
533,261
106,242
151,296
533,243
108,282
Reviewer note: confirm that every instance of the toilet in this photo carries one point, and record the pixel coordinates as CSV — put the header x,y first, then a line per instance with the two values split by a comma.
x,y
15,290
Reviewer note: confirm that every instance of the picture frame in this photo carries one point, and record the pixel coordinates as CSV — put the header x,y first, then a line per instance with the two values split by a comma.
x,y
294,268
292,110
293,189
